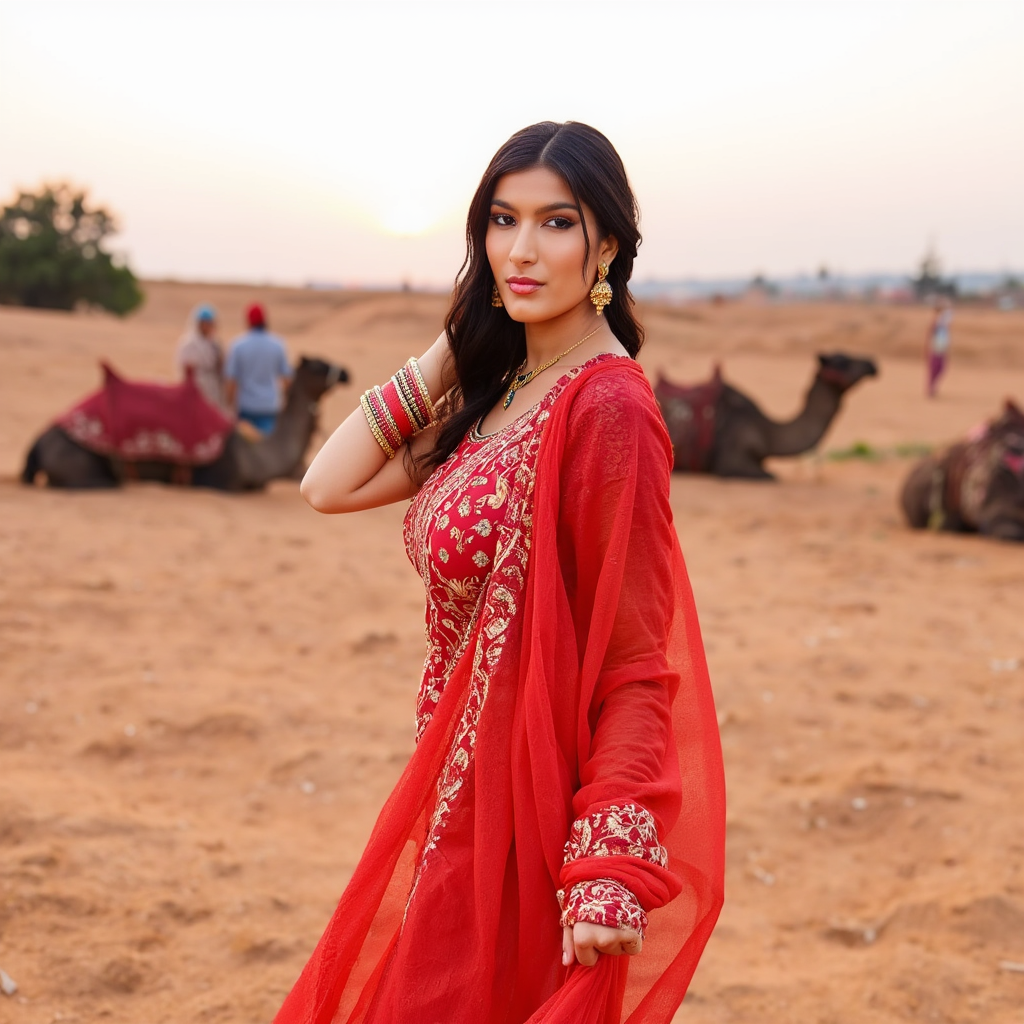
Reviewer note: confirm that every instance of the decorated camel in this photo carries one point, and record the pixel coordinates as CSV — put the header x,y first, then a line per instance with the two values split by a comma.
x,y
716,429
975,486
170,434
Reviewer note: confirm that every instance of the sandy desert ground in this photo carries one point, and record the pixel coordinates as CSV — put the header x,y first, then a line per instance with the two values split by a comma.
x,y
205,698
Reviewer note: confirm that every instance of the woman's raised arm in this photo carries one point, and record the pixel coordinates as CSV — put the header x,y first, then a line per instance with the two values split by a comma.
x,y
351,471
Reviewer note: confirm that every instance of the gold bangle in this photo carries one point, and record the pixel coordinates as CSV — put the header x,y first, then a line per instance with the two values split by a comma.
x,y
414,365
408,399
410,410
371,420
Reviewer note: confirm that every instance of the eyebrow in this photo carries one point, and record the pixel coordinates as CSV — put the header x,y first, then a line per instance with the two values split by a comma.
x,y
550,208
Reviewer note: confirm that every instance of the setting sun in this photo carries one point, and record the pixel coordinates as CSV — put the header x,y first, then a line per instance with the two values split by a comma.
x,y
406,216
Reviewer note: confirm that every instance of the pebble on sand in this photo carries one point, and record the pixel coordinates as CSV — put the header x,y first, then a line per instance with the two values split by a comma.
x,y
7,984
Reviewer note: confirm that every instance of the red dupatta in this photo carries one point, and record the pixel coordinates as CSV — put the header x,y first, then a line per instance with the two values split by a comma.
x,y
584,686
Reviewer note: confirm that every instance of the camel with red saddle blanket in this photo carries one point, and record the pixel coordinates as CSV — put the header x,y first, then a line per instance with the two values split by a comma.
x,y
717,429
130,430
976,486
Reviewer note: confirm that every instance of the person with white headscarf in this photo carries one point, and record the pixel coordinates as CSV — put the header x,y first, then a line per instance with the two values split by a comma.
x,y
200,350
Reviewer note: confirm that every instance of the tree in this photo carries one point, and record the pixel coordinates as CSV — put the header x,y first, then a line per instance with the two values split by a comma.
x,y
759,284
929,281
52,255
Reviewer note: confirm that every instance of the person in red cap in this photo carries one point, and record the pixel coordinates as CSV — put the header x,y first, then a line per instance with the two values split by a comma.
x,y
256,372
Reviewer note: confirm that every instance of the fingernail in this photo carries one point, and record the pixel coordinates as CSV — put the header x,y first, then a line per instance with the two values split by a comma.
x,y
565,959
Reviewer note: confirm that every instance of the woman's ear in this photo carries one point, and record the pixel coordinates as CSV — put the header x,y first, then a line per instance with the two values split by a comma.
x,y
608,250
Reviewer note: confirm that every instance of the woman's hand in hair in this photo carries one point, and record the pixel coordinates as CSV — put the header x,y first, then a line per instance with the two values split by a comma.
x,y
584,942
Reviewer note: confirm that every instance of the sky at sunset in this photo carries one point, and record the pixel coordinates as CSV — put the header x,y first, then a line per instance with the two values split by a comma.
x,y
295,142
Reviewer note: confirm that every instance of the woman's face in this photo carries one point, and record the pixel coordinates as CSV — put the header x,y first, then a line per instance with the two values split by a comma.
x,y
535,246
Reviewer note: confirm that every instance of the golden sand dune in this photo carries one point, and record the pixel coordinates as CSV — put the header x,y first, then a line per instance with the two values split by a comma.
x,y
205,698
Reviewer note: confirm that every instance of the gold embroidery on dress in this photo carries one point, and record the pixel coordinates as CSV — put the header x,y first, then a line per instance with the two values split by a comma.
x,y
481,606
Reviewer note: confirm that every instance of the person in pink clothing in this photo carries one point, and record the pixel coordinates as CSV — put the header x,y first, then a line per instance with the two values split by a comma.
x,y
937,348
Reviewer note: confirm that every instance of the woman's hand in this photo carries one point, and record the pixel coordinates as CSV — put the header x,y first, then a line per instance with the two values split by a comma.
x,y
585,941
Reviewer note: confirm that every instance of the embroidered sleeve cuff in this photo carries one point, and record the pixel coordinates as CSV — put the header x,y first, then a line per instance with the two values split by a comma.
x,y
625,831
603,901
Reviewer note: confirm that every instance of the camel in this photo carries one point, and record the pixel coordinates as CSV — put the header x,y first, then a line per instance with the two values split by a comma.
x,y
244,464
716,429
976,486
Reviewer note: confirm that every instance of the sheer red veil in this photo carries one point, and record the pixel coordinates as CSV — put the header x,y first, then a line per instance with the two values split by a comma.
x,y
583,686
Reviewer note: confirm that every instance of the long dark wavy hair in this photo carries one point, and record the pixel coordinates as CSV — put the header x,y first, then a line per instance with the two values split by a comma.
x,y
487,345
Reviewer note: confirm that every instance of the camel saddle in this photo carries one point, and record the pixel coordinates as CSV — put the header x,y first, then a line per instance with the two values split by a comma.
x,y
690,412
962,480
137,421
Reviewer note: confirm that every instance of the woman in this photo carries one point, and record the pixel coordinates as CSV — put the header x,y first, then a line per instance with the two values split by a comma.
x,y
565,797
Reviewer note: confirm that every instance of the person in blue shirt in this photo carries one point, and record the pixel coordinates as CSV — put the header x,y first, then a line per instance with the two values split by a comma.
x,y
256,372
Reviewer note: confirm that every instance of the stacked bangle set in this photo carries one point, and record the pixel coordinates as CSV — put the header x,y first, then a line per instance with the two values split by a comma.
x,y
399,409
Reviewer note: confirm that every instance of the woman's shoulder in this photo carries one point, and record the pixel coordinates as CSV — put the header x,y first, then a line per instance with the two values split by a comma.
x,y
613,387
612,416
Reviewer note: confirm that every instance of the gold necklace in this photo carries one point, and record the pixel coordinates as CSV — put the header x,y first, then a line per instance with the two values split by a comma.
x,y
522,379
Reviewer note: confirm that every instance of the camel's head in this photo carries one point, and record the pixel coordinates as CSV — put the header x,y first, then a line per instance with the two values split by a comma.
x,y
1011,421
317,376
844,371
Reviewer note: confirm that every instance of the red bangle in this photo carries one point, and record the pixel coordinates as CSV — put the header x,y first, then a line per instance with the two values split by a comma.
x,y
384,419
389,393
410,399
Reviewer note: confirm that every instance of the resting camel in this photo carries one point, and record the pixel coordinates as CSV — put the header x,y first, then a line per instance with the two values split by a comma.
x,y
716,429
975,486
241,463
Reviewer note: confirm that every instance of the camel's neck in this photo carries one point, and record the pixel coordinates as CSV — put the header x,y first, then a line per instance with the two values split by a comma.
x,y
280,454
808,428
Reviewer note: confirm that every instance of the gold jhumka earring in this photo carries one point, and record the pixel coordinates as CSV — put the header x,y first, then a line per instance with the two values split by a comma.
x,y
496,298
601,293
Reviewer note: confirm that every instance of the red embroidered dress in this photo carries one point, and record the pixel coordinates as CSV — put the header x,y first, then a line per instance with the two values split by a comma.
x,y
452,533
567,765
